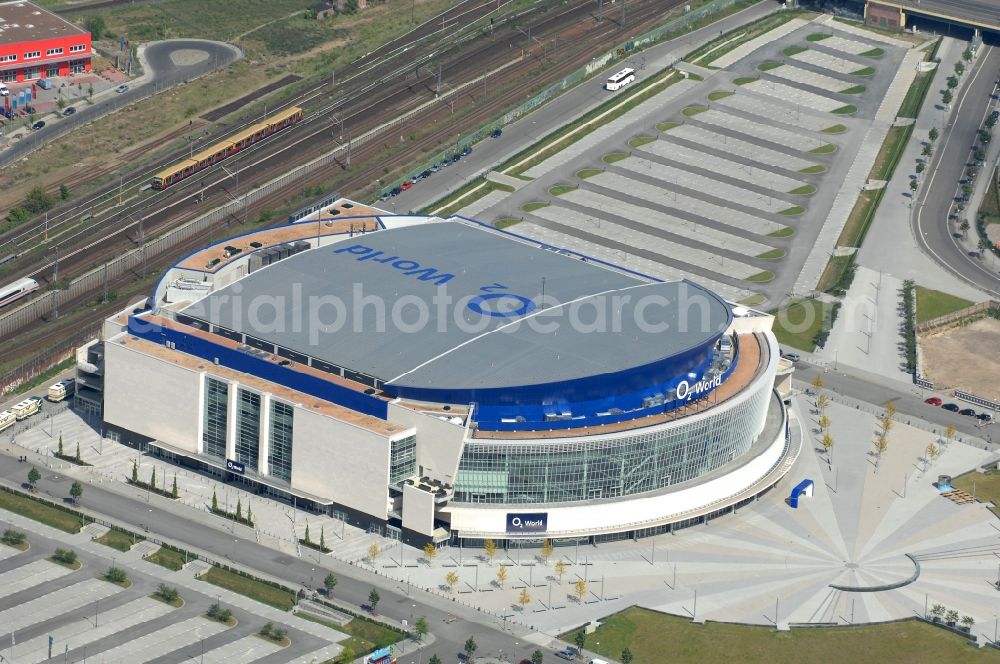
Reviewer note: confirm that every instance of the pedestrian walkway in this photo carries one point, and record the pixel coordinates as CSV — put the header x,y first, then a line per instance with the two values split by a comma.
x,y
743,50
829,61
859,31
692,158
703,137
56,603
792,140
30,575
168,639
811,79
776,111
503,178
794,94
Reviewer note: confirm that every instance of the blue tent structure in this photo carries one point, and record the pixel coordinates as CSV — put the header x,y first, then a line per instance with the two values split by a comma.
x,y
803,488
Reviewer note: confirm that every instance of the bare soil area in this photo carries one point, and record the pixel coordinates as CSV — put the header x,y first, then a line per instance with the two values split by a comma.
x,y
965,357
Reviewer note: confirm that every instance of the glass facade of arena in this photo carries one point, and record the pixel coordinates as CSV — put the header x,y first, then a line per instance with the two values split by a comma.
x,y
402,459
216,410
248,428
573,470
279,452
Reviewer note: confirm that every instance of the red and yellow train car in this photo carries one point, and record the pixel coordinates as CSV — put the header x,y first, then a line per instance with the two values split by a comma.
x,y
227,147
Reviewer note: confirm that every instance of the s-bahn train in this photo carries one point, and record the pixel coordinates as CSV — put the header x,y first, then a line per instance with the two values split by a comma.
x,y
216,152
17,290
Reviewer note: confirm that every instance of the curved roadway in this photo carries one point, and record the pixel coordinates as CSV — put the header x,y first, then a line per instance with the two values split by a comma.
x,y
930,218
166,64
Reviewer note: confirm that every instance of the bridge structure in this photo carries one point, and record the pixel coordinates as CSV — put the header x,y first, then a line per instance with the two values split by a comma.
x,y
893,14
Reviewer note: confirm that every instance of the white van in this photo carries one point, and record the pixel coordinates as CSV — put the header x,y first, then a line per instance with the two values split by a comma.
x,y
4,91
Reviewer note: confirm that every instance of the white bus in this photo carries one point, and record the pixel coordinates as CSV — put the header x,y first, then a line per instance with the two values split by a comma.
x,y
27,408
621,79
61,390
7,418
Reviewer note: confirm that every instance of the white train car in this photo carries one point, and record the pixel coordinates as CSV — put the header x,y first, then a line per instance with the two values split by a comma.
x,y
17,290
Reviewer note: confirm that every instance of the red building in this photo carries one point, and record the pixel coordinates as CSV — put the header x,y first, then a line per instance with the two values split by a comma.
x,y
35,43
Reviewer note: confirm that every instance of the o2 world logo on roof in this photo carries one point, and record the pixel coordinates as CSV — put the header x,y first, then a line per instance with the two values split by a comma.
x,y
494,299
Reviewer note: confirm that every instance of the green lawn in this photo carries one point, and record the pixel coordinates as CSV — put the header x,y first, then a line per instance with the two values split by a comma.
x,y
753,300
772,255
666,126
867,71
168,558
585,173
804,190
694,109
609,158
655,638
769,65
720,94
252,588
824,149
787,231
854,90
794,50
118,540
724,43
743,80
365,636
835,129
792,211
761,277
987,484
66,521
812,170
818,36
639,141
561,189
798,324
845,110
534,205
506,222
933,303
874,53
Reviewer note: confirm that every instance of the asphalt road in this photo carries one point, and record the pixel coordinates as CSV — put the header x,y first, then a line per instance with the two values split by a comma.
x,y
930,217
354,584
161,74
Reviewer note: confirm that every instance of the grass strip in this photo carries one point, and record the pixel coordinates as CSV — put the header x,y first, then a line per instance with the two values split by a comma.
x,y
119,540
169,558
812,170
694,109
792,211
798,324
753,300
715,49
609,158
845,110
835,129
667,126
874,53
720,94
794,50
854,90
934,303
560,189
585,173
639,141
787,231
761,277
824,149
818,36
772,255
769,65
534,205
743,80
506,222
804,190
273,595
914,99
984,486
56,516
867,71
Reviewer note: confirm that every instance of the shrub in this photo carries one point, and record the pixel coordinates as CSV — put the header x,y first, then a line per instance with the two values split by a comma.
x,y
167,593
116,575
13,537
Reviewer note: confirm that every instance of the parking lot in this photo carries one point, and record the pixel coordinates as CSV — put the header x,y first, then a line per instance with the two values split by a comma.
x,y
729,180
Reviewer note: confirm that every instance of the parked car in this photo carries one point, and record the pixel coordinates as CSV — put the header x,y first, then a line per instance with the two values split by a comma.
x,y
466,151
975,254
789,355
69,110
953,407
121,88
426,174
985,417
967,411
496,133
38,125
934,401
406,185
396,191
567,654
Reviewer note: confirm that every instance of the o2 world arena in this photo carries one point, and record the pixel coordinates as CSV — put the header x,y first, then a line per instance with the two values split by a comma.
x,y
437,380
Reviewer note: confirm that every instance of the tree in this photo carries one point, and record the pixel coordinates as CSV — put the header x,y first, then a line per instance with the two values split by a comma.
x,y
33,477
946,97
307,538
65,556
951,82
524,599
827,442
372,553
420,628
626,656
351,7
967,55
580,589
239,509
373,599
347,655
116,575
928,150
95,26
76,490
984,245
135,479
881,445
951,617
537,657
470,647
824,422
501,575
451,578
38,200
322,535
938,611
267,629
330,582
959,68
930,453
173,489
63,189
167,594
933,134
215,502
886,424
914,184
490,548
78,451
920,167
13,537
434,659
968,622
822,401
430,551
60,453
249,516
964,227
560,569
152,478
546,553
580,639
818,382
949,433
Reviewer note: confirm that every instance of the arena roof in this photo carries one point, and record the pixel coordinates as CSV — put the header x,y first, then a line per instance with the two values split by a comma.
x,y
450,304
24,21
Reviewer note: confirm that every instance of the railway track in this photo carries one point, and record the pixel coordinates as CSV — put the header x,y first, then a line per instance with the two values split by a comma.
x,y
579,40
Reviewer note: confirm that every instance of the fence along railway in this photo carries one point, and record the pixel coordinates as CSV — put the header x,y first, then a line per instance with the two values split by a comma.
x,y
130,263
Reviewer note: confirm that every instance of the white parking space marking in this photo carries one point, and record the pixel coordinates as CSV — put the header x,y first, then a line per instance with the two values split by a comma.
x,y
795,95
767,132
729,145
698,159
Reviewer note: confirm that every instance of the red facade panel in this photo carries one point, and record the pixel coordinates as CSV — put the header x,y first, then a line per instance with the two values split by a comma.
x,y
19,62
